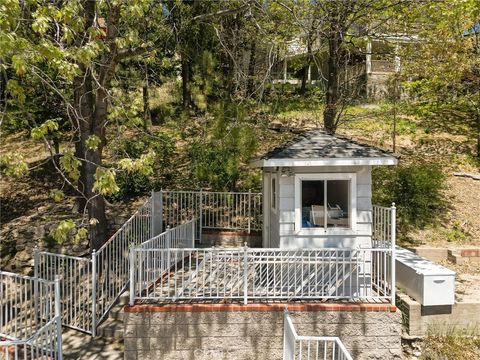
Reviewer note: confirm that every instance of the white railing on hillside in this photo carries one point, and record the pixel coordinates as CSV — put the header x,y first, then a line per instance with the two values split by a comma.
x,y
110,262
30,321
75,275
240,211
260,274
297,347
182,236
90,286
384,236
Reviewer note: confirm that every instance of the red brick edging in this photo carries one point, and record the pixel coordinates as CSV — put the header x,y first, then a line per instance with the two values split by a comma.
x,y
362,307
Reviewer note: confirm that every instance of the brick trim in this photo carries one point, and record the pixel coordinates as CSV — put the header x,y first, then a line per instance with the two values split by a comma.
x,y
357,307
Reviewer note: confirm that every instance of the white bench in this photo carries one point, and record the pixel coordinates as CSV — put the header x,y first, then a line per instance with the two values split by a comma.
x,y
425,281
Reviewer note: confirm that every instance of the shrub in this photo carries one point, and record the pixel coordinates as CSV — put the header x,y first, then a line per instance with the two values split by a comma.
x,y
135,184
417,190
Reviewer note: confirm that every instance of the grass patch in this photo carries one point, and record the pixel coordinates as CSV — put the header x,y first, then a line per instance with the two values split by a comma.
x,y
453,345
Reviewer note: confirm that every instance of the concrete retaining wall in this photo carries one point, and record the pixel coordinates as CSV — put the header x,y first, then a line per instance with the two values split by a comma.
x,y
256,331
231,238
418,319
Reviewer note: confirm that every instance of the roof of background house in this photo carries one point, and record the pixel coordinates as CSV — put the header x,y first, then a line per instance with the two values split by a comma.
x,y
317,148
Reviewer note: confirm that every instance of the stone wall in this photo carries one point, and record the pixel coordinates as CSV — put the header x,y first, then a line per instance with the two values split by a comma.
x,y
255,331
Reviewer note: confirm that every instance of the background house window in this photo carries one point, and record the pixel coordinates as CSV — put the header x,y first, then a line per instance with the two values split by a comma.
x,y
325,203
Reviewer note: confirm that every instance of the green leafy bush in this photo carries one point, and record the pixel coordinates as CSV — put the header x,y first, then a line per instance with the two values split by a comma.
x,y
134,183
417,190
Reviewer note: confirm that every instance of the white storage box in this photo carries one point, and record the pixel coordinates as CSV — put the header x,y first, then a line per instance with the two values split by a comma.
x,y
425,281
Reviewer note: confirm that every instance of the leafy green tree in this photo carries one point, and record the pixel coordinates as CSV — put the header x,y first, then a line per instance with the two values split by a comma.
x,y
74,49
441,71
340,27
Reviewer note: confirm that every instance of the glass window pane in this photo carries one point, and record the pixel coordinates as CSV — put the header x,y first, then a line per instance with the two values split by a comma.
x,y
338,203
313,203
274,194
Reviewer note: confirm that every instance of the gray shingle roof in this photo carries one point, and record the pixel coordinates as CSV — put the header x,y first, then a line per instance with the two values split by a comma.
x,y
316,144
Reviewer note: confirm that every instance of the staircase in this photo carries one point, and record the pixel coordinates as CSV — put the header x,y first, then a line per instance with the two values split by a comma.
x,y
112,327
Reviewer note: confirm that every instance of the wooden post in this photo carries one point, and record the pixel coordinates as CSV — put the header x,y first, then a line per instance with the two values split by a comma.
x,y
368,57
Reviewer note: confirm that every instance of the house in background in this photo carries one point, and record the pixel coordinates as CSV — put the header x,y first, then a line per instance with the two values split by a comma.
x,y
317,192
367,73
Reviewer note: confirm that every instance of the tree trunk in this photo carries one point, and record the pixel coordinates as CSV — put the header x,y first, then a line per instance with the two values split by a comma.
x,y
332,96
91,114
303,87
251,69
185,82
96,202
147,116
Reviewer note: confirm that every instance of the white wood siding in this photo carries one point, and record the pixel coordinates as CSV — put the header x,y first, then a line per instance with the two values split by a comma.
x,y
282,223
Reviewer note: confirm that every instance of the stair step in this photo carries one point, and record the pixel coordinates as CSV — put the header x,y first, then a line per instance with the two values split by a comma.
x,y
111,328
116,312
124,298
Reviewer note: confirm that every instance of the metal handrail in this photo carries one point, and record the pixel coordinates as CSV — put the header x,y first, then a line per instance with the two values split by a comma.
x,y
33,323
293,345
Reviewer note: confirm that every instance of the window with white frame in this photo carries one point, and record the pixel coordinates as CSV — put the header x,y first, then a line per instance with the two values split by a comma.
x,y
325,201
273,193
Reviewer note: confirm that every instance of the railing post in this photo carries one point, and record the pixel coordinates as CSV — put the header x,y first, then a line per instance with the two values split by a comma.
x,y
36,265
160,211
245,274
58,318
393,241
194,226
156,210
152,214
200,216
94,293
131,255
167,246
249,208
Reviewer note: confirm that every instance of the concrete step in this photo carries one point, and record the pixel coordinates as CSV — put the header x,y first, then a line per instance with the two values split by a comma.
x,y
111,328
116,312
124,298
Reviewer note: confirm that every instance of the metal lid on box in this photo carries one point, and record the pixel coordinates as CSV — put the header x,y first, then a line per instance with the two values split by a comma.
x,y
420,264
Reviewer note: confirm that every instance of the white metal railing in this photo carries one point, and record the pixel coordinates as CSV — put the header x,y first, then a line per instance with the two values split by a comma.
x,y
254,274
90,286
182,236
384,236
383,225
76,291
215,210
30,319
297,347
110,263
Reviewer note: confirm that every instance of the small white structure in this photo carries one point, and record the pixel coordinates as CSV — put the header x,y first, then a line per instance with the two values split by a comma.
x,y
317,192
429,283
